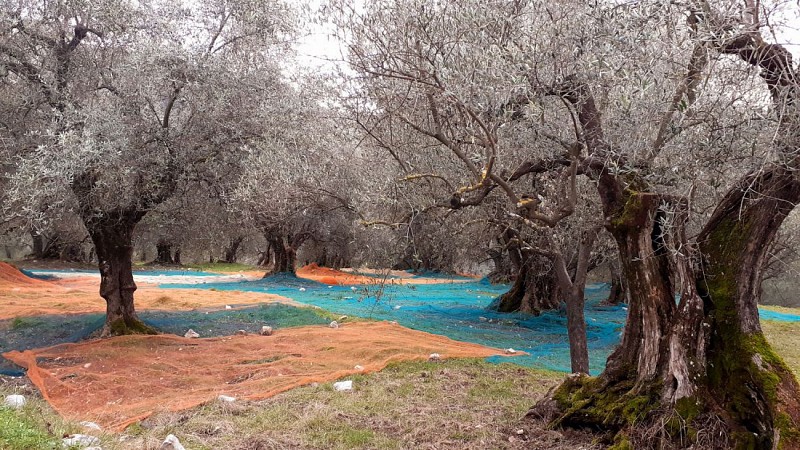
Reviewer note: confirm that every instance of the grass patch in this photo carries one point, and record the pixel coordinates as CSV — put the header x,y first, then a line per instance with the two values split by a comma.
x,y
785,340
20,323
463,403
18,430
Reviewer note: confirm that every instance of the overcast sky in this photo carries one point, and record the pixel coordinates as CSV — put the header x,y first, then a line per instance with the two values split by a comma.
x,y
321,50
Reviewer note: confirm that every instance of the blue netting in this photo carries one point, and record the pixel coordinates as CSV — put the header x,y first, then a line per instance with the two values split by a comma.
x,y
43,331
454,309
457,310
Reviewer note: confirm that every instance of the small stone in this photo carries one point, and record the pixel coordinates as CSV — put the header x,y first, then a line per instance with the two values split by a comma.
x,y
510,351
226,399
228,307
396,307
342,318
15,401
394,322
241,332
302,289
334,324
191,334
435,357
353,288
91,426
171,443
340,386
87,365
359,368
520,432
80,440
266,330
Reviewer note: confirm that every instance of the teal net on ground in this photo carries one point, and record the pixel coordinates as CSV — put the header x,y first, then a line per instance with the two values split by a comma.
x,y
457,310
453,309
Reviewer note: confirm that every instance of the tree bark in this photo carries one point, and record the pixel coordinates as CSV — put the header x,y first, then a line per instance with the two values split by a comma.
x,y
285,255
112,235
616,294
232,252
38,244
693,368
535,290
164,252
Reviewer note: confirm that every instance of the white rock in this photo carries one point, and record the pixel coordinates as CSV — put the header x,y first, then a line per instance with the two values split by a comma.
x,y
80,440
94,447
435,357
171,443
302,289
342,318
396,307
353,288
266,330
346,385
226,399
359,368
228,307
15,401
191,334
334,324
91,425
510,351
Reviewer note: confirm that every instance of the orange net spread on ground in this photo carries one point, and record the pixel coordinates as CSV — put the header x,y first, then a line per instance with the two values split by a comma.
x,y
118,381
335,277
22,296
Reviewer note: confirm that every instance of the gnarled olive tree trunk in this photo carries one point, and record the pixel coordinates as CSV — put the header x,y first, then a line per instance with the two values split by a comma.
x,y
535,290
112,235
693,368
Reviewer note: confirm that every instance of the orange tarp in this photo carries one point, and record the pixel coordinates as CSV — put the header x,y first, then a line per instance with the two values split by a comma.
x,y
120,380
22,296
329,276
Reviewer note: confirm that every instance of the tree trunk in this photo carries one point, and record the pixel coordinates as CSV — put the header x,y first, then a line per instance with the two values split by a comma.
x,y
112,235
38,244
576,330
535,289
232,252
693,368
616,293
285,256
164,252
704,358
177,258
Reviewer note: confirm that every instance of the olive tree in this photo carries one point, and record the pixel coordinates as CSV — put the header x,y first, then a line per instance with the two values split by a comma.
x,y
134,101
682,117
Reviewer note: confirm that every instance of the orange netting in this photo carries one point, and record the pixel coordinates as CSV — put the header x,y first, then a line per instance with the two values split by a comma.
x,y
329,276
22,296
118,381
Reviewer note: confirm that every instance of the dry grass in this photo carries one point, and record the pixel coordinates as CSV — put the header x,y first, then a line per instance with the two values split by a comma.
x,y
453,404
785,339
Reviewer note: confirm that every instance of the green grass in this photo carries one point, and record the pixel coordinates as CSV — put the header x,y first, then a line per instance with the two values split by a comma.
x,y
19,430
